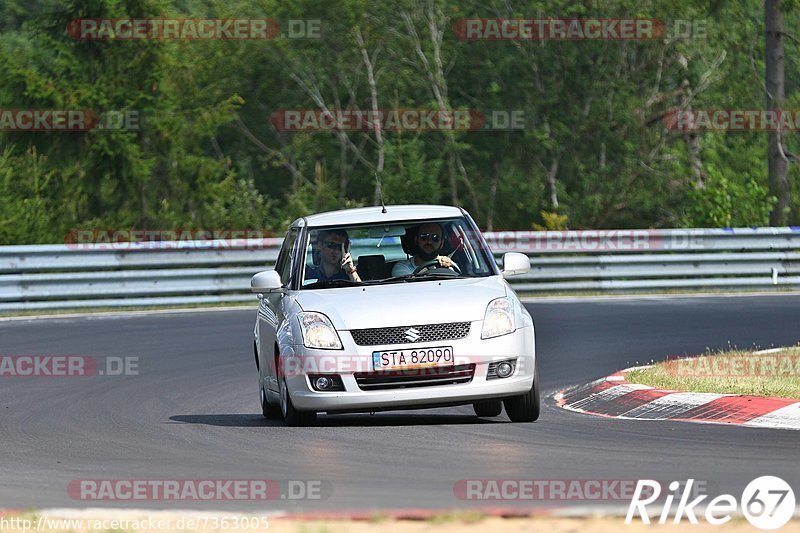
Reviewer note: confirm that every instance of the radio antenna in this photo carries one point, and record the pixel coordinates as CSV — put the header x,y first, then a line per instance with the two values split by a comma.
x,y
380,192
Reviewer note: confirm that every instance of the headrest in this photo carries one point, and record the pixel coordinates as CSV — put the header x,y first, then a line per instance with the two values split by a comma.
x,y
407,240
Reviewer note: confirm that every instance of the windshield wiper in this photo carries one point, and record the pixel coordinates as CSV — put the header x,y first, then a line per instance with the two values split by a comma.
x,y
394,278
420,276
435,275
331,283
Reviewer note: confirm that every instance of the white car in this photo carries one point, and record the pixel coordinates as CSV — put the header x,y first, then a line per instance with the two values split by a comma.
x,y
402,331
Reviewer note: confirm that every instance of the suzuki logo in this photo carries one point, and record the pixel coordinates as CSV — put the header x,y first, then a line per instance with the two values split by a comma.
x,y
411,335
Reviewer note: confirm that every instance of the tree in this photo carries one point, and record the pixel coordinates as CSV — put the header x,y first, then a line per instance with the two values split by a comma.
x,y
776,96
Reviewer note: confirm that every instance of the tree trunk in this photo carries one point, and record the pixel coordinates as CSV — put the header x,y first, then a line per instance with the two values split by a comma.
x,y
551,182
776,155
492,197
373,91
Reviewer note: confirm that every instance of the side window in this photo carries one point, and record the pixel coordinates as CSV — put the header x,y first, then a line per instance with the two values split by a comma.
x,y
284,263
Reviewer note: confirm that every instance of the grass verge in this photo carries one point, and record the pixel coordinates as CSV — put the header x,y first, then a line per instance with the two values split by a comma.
x,y
774,374
100,521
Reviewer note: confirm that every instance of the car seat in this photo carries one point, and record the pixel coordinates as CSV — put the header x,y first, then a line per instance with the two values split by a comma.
x,y
373,267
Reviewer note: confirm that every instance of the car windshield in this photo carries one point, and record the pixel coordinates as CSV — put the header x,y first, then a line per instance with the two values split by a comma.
x,y
395,253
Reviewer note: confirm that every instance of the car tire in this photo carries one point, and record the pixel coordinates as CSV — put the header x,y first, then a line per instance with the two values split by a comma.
x,y
525,408
267,409
292,416
488,408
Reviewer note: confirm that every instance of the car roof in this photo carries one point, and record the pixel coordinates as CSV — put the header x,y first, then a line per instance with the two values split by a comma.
x,y
394,213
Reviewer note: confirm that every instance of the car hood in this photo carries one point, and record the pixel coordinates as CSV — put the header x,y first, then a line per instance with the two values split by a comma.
x,y
401,304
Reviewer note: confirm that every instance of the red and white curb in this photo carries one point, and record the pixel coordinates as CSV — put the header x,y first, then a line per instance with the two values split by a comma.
x,y
614,397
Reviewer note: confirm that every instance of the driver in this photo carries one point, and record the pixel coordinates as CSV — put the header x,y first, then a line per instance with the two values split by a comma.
x,y
427,243
335,260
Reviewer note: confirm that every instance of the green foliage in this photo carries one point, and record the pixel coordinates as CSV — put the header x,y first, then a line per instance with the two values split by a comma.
x,y
725,202
27,212
208,155
411,176
234,203
552,222
310,197
733,192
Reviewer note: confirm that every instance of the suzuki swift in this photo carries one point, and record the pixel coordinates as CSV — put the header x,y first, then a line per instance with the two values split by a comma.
x,y
397,307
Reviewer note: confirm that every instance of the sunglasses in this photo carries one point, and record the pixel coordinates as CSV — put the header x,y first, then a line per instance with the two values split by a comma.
x,y
434,237
333,245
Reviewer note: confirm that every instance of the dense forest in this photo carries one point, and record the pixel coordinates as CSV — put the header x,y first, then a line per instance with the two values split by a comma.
x,y
594,148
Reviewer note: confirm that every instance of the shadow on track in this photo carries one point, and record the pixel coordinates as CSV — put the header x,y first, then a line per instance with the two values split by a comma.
x,y
233,421
343,420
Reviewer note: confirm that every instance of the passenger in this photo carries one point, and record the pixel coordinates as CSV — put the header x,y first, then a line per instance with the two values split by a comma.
x,y
335,262
428,241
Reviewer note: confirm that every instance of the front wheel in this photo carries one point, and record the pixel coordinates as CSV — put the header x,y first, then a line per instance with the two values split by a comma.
x,y
267,409
292,416
488,408
525,408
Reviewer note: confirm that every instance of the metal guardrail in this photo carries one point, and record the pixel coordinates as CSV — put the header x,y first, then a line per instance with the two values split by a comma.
x,y
68,276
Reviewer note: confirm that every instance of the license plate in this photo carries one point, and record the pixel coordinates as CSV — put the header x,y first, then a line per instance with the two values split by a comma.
x,y
416,358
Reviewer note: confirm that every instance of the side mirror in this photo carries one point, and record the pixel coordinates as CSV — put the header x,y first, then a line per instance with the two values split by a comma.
x,y
266,281
515,263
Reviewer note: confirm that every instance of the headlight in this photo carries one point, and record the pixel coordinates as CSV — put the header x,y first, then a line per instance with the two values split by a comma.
x,y
499,319
318,332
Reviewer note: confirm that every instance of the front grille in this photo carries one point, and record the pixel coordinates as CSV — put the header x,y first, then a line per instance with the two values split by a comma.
x,y
401,334
417,377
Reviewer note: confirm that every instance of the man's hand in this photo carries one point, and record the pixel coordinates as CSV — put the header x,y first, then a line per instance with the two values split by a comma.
x,y
444,261
347,264
349,267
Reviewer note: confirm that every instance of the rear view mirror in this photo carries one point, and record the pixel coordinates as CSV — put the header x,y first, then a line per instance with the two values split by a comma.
x,y
266,281
386,231
515,263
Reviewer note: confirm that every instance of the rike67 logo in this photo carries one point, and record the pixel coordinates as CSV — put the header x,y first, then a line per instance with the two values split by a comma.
x,y
767,502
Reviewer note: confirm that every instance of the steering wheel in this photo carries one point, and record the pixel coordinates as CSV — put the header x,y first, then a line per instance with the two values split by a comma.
x,y
428,264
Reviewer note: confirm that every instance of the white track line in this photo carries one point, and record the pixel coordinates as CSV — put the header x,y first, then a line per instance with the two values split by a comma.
x,y
771,350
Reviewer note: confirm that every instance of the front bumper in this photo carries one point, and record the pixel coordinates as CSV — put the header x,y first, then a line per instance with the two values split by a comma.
x,y
354,359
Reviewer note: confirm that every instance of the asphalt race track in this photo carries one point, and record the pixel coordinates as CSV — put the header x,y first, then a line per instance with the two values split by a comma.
x,y
192,413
